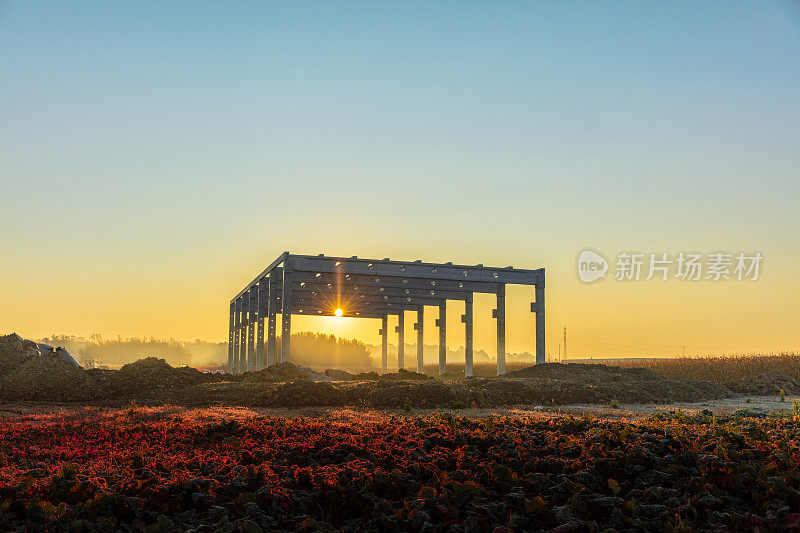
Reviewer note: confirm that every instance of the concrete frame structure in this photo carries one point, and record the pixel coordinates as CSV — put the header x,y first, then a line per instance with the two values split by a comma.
x,y
369,288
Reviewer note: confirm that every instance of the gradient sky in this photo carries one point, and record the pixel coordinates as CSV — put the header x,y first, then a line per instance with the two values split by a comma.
x,y
155,156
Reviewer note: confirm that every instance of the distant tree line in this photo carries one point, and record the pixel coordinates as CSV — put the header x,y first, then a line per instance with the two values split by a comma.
x,y
308,349
120,351
320,350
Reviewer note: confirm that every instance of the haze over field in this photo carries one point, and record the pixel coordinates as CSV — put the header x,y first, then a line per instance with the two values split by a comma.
x,y
154,158
308,349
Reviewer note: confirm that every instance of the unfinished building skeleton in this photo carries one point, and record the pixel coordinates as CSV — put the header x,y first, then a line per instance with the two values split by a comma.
x,y
369,288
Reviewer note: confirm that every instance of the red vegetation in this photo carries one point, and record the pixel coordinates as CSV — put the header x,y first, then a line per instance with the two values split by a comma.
x,y
151,468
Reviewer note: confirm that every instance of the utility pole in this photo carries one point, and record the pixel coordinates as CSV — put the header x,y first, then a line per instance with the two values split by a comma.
x,y
565,342
559,353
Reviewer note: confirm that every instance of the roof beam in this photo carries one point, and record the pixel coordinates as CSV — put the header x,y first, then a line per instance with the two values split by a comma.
x,y
354,289
394,281
446,271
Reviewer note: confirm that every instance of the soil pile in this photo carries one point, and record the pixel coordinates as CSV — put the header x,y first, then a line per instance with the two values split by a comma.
x,y
342,375
148,374
392,394
339,375
771,383
48,377
30,371
560,383
305,392
285,371
14,351
404,375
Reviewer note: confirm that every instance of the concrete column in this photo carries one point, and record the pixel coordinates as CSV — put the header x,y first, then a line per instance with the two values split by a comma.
x,y
241,364
441,323
540,353
231,336
237,364
252,320
263,297
401,339
384,343
467,320
420,344
286,307
500,315
272,313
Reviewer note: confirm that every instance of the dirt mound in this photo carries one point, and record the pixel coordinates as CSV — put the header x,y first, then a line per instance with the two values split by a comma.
x,y
48,377
582,371
148,374
14,351
285,371
339,375
30,371
770,383
304,392
397,393
343,375
404,375
367,376
560,383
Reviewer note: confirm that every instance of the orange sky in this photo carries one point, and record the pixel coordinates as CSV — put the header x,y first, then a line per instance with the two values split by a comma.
x,y
607,318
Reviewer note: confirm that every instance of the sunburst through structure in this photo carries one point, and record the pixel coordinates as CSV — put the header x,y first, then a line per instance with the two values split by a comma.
x,y
355,287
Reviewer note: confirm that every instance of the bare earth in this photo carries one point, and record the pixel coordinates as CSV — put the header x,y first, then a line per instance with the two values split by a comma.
x,y
757,405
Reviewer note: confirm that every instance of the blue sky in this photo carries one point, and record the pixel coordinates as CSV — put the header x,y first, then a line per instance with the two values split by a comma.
x,y
180,145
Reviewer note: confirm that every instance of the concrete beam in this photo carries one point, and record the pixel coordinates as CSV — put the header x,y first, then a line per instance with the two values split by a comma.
x,y
375,313
365,280
322,308
413,269
333,289
364,299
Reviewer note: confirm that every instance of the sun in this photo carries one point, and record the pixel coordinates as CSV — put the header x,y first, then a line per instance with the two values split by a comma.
x,y
338,312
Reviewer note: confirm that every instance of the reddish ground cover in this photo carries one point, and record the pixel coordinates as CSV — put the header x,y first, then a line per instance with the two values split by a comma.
x,y
155,469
